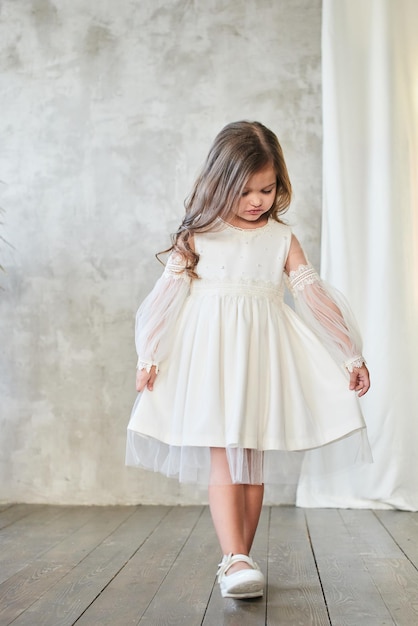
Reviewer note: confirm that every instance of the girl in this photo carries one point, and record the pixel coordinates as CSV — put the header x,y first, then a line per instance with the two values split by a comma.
x,y
229,374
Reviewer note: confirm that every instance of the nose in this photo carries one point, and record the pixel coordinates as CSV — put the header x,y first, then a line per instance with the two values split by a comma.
x,y
255,201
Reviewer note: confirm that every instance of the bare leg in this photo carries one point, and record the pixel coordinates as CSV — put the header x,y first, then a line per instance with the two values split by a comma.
x,y
235,509
253,495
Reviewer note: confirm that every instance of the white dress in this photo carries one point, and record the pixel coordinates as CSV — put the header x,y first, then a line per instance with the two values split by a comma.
x,y
238,367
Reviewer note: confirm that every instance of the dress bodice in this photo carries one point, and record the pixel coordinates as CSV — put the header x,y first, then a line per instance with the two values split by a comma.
x,y
243,256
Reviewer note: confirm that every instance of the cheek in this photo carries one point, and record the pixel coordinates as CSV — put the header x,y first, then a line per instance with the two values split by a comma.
x,y
240,204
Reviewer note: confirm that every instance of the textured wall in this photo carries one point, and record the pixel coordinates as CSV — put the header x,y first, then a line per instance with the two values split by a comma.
x,y
107,111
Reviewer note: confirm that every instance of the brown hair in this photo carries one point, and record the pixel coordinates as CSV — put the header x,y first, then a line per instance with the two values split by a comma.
x,y
240,150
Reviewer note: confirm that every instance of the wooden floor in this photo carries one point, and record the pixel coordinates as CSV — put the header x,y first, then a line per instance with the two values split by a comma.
x,y
156,566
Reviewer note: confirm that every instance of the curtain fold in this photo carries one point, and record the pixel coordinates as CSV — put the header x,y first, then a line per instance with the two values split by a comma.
x,y
370,235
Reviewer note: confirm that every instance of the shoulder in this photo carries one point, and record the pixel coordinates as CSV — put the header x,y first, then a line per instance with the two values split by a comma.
x,y
280,229
296,256
281,236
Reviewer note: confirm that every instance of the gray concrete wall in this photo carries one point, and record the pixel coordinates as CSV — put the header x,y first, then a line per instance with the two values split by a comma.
x,y
107,111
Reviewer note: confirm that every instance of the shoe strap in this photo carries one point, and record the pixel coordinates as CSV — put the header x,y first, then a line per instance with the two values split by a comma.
x,y
230,559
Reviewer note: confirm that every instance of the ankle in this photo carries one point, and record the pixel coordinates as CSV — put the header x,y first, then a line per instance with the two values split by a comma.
x,y
237,567
235,562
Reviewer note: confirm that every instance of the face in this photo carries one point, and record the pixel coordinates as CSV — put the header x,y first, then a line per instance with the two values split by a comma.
x,y
256,199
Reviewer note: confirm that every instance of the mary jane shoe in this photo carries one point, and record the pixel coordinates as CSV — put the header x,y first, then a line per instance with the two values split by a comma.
x,y
246,583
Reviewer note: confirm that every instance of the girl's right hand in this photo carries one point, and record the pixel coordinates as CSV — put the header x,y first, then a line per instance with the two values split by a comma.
x,y
146,379
360,380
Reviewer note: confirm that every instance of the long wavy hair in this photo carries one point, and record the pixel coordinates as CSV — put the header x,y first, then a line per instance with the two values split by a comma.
x,y
240,150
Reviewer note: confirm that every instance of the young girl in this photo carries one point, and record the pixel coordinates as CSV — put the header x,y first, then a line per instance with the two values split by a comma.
x,y
229,374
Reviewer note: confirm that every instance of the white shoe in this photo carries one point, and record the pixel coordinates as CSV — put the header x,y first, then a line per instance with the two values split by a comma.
x,y
246,583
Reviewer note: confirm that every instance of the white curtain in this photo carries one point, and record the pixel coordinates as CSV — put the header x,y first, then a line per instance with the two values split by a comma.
x,y
370,234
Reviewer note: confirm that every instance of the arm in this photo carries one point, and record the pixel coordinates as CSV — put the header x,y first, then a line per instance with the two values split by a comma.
x,y
156,318
328,314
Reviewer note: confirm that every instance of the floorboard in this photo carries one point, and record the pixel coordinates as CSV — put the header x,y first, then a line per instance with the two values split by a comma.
x,y
156,566
294,592
351,596
131,592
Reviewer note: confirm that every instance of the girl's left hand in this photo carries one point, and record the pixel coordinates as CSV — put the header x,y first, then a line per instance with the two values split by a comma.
x,y
360,380
146,379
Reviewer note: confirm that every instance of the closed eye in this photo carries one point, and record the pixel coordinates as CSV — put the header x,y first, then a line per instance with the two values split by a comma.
x,y
264,191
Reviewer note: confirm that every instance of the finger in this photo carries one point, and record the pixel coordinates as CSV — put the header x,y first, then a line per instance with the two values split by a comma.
x,y
353,380
365,388
140,386
366,382
142,377
151,381
138,381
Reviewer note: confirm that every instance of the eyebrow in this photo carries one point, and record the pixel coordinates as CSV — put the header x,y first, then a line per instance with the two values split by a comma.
x,y
265,186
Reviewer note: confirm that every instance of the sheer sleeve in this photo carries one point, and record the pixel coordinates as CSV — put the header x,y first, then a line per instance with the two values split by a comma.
x,y
158,313
328,314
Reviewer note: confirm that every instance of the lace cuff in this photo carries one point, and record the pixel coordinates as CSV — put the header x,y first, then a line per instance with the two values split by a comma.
x,y
357,361
175,267
146,365
304,275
